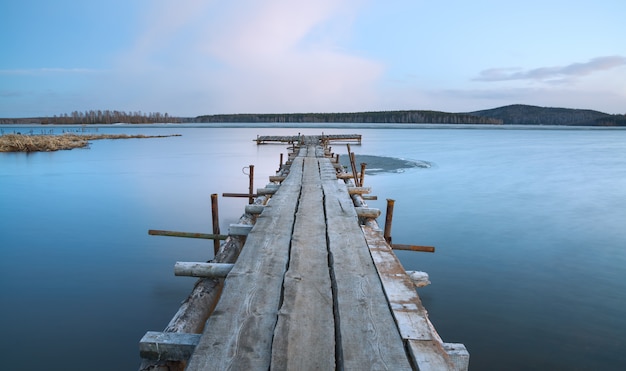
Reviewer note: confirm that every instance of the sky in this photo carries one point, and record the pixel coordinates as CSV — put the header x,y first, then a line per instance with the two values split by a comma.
x,y
196,57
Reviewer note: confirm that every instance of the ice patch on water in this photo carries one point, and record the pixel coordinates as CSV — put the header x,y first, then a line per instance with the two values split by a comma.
x,y
382,164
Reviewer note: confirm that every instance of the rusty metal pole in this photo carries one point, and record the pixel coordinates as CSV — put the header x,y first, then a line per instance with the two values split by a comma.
x,y
251,188
388,220
363,164
216,222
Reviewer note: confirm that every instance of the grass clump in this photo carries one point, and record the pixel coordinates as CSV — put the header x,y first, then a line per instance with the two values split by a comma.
x,y
48,143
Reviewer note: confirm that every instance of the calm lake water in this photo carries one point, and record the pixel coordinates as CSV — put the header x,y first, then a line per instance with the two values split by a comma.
x,y
529,227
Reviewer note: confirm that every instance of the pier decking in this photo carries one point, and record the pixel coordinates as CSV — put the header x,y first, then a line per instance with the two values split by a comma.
x,y
315,287
263,139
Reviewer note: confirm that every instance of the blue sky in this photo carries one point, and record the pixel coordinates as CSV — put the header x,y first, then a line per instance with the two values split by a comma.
x,y
194,57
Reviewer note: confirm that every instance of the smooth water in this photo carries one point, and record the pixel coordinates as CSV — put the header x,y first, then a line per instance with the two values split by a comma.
x,y
529,272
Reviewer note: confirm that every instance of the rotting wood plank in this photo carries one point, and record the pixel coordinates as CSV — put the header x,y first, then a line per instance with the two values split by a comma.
x,y
368,336
427,351
239,333
305,320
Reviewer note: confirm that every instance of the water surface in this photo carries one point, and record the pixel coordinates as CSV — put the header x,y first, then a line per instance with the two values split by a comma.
x,y
529,272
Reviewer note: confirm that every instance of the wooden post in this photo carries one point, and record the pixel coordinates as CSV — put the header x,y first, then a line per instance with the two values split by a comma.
x,y
280,166
251,188
388,220
353,165
216,222
363,164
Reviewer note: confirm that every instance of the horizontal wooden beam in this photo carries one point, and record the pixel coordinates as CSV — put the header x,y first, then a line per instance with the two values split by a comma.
x,y
396,246
346,175
366,212
168,346
266,191
359,190
254,209
277,178
204,270
158,232
239,229
369,198
242,195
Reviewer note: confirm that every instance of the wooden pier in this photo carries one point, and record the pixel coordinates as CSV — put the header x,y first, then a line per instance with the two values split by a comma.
x,y
324,138
316,286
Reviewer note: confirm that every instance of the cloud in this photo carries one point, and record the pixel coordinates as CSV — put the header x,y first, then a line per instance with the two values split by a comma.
x,y
553,74
247,56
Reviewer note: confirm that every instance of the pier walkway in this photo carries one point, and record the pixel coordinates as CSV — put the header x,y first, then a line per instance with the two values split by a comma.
x,y
317,287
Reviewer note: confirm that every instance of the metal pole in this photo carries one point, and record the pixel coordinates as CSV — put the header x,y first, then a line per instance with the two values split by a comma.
x,y
216,222
280,166
251,188
388,220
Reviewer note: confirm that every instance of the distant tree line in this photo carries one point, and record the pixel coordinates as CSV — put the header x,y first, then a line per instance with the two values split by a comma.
x,y
383,117
98,117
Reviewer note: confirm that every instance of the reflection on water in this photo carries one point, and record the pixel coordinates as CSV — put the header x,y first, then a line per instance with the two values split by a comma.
x,y
529,273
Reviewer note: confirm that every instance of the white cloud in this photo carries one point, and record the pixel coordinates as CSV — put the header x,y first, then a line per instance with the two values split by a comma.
x,y
198,57
557,73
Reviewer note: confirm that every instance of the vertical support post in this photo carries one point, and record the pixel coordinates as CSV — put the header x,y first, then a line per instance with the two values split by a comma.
x,y
251,188
388,220
216,222
337,158
353,165
363,164
280,166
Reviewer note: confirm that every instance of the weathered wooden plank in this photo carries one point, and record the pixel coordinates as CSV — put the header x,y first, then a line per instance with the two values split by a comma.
x,y
368,336
239,333
407,307
458,354
167,346
305,332
429,355
206,270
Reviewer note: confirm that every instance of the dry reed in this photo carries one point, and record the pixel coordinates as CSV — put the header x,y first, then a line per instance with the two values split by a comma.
x,y
47,143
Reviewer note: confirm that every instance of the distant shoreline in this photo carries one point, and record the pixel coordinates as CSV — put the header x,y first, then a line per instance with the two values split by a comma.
x,y
516,114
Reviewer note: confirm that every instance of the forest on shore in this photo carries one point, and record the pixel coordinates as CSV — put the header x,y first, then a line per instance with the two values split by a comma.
x,y
517,114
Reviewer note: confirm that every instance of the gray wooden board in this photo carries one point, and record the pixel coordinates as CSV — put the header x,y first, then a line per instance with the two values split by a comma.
x,y
369,337
167,345
407,308
305,332
429,356
239,333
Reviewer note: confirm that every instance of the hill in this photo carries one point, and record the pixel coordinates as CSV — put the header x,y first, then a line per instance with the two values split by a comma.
x,y
519,114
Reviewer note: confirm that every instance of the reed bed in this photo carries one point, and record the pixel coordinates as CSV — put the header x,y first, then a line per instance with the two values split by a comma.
x,y
48,143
